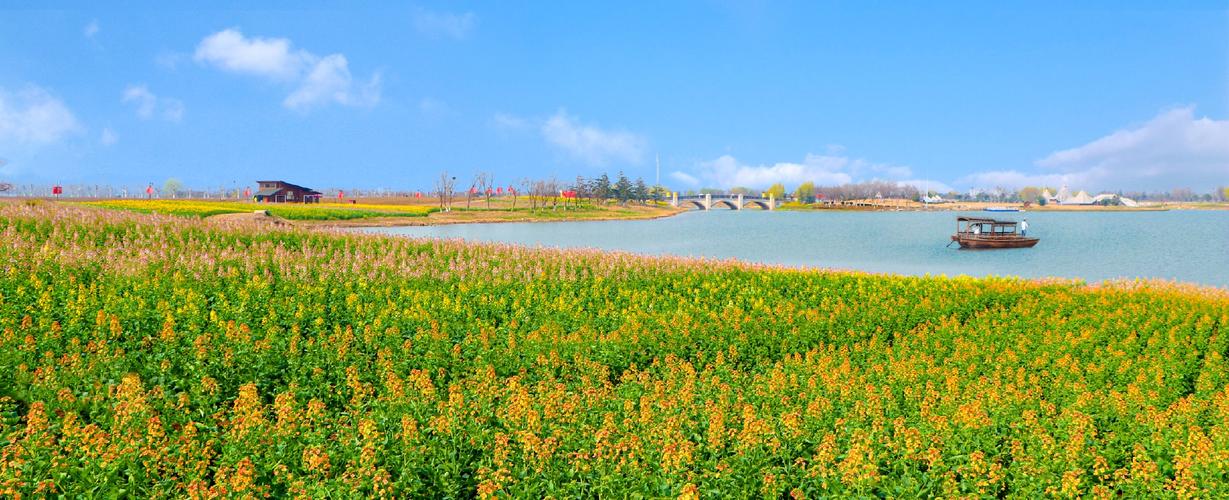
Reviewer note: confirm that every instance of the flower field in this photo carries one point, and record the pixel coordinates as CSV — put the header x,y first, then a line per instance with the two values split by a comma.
x,y
292,211
144,355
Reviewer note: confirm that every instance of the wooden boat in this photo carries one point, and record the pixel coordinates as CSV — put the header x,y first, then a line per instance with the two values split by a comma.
x,y
976,232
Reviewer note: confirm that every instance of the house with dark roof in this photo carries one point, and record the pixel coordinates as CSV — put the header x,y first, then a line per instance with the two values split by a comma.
x,y
285,192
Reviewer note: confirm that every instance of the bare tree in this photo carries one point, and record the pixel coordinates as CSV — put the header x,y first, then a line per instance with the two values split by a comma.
x,y
487,184
529,186
444,186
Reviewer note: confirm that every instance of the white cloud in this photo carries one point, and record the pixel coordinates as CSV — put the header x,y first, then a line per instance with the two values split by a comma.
x,y
1173,149
149,105
1018,179
268,57
504,121
591,144
828,169
444,24
108,137
685,178
926,185
90,29
317,80
330,81
32,116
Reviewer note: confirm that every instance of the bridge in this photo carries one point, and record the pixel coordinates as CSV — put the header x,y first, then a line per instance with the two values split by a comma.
x,y
731,201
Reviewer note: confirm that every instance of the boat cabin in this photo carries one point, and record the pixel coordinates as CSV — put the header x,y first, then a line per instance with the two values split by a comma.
x,y
986,227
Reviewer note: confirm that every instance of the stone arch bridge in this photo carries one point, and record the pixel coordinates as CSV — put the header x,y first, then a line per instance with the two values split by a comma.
x,y
731,201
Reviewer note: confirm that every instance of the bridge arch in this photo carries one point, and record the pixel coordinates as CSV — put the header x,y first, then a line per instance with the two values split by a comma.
x,y
697,204
762,205
727,203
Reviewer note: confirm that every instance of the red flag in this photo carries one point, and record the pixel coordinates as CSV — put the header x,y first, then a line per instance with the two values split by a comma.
x,y
341,194
418,194
247,192
149,189
57,190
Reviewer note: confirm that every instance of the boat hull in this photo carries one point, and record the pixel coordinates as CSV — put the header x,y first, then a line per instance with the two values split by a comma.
x,y
979,242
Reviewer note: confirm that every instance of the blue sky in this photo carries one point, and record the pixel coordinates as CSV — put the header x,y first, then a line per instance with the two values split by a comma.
x,y
1111,96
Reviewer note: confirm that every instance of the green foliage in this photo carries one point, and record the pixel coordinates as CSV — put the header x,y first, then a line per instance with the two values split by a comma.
x,y
777,190
805,192
293,211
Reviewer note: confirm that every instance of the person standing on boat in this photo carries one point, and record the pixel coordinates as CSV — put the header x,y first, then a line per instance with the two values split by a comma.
x,y
1024,227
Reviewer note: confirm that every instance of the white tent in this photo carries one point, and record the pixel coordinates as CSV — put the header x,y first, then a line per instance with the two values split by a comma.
x,y
1063,194
1080,198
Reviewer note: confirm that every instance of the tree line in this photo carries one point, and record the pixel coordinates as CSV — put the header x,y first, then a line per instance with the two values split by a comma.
x,y
547,192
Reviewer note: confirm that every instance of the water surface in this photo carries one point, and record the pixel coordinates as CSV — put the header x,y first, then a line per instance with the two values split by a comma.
x,y
1191,246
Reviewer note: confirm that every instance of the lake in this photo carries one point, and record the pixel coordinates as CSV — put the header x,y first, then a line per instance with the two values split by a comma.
x,y
1190,246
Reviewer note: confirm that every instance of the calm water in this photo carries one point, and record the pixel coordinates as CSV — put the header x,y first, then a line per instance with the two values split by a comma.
x,y
1188,246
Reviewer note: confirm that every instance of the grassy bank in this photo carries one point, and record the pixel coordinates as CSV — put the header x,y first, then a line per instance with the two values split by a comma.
x,y
291,211
390,211
148,355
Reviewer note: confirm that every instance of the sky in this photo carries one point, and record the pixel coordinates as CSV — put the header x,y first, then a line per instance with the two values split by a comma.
x,y
1100,96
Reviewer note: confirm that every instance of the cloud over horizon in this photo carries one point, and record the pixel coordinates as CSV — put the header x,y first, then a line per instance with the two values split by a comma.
x,y
33,117
317,80
1174,149
829,169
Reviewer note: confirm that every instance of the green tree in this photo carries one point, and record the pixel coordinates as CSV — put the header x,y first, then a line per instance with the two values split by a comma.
x,y
740,190
1224,193
776,190
600,188
171,187
623,188
805,192
640,191
1030,193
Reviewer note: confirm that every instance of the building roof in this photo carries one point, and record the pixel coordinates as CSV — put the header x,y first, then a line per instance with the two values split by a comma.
x,y
286,185
268,191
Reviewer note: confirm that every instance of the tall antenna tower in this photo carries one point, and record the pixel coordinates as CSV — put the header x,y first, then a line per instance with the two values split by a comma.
x,y
658,181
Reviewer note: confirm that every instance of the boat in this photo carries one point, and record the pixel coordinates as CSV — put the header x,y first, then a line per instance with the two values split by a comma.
x,y
977,232
1001,209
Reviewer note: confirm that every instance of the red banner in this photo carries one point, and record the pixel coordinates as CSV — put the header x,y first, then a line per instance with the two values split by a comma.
x,y
57,190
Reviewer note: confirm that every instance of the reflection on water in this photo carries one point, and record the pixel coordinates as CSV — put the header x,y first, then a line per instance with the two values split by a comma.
x,y
1188,246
